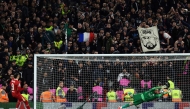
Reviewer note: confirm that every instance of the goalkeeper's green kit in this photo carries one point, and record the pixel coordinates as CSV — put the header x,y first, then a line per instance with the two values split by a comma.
x,y
145,96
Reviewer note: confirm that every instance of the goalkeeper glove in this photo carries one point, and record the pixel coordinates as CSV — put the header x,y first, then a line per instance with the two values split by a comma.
x,y
164,86
128,93
120,107
125,94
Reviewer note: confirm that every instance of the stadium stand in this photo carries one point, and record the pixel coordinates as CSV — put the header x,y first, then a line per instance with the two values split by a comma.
x,y
29,27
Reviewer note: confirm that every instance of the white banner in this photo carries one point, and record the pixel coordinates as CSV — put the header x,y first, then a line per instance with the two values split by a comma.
x,y
149,39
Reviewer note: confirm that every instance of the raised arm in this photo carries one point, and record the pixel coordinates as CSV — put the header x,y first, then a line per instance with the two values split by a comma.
x,y
19,89
155,88
159,87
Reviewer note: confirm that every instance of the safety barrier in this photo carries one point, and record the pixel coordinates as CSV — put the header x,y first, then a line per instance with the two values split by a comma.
x,y
103,105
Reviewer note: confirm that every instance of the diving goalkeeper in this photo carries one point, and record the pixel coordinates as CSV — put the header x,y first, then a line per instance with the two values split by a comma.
x,y
147,96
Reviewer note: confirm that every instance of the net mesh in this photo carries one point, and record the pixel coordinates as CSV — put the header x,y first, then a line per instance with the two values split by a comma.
x,y
117,72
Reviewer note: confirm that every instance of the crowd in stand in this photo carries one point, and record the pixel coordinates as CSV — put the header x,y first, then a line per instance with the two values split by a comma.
x,y
113,73
29,27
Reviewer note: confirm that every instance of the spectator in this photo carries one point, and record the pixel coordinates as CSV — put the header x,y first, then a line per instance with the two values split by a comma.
x,y
99,82
20,71
1,72
45,80
46,27
71,72
87,78
124,73
7,75
3,96
107,42
60,94
81,74
98,72
28,73
186,42
108,74
14,66
71,94
25,93
60,76
167,38
21,45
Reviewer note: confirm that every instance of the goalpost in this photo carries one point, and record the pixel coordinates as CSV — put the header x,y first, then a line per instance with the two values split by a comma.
x,y
84,71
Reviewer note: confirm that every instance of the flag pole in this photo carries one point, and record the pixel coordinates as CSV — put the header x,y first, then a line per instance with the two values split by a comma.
x,y
66,41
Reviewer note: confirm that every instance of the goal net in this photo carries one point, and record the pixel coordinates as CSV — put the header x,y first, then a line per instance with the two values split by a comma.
x,y
82,73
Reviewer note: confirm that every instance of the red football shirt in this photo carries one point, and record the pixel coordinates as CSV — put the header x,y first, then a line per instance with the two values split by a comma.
x,y
15,86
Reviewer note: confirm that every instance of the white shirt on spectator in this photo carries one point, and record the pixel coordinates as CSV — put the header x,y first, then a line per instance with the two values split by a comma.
x,y
166,35
120,76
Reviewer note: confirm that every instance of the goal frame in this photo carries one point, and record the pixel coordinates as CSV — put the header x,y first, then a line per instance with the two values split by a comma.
x,y
90,55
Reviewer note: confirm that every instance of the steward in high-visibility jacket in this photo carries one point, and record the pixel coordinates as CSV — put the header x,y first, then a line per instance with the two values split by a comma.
x,y
15,58
25,95
3,95
47,96
111,96
49,29
170,84
176,95
60,94
58,44
20,59
63,12
127,94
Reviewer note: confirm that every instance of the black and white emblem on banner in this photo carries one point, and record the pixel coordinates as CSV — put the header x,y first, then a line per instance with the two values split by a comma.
x,y
149,39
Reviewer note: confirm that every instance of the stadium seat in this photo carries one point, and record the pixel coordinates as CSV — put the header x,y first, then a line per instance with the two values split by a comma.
x,y
186,68
30,98
98,90
79,92
119,94
53,91
143,83
30,90
65,89
124,82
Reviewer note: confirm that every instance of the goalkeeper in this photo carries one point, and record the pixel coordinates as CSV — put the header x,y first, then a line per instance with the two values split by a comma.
x,y
147,96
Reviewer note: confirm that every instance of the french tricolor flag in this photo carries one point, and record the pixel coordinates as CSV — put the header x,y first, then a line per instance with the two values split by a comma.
x,y
84,37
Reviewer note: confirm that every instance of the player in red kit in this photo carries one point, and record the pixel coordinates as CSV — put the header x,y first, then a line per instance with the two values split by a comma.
x,y
16,89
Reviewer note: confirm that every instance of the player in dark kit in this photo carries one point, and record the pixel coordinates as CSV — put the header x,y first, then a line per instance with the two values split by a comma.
x,y
147,96
16,89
